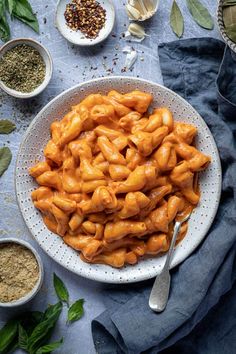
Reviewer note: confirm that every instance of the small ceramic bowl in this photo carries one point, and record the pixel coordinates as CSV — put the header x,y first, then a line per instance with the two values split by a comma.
x,y
37,286
77,37
221,26
44,54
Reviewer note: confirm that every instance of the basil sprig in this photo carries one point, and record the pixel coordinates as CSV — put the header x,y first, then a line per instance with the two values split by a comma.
x,y
32,331
4,27
20,9
48,348
76,311
23,11
60,289
8,335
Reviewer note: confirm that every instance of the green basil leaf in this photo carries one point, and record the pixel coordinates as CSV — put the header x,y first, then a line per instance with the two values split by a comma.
x,y
60,289
51,316
11,5
50,347
4,27
176,20
200,14
37,316
29,320
23,338
52,310
6,126
76,310
8,334
5,159
23,11
231,32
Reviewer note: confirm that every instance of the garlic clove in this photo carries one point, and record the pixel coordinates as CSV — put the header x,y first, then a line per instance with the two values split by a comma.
x,y
128,37
136,30
132,12
149,4
131,56
143,7
138,4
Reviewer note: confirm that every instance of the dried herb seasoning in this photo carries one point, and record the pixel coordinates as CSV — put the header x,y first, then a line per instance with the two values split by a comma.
x,y
22,68
88,16
229,18
19,272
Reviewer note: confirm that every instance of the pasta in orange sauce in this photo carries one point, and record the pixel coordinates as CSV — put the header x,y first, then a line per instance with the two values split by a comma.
x,y
114,178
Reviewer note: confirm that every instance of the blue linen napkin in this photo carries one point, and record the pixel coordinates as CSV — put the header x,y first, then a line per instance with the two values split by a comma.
x,y
203,71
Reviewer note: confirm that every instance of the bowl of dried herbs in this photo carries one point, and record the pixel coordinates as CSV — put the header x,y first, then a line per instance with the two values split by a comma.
x,y
25,68
226,17
21,272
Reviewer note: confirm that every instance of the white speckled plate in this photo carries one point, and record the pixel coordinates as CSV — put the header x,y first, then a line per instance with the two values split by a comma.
x,y
37,137
220,21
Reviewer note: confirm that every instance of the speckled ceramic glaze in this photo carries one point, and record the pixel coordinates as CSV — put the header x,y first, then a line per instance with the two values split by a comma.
x,y
220,21
77,37
37,137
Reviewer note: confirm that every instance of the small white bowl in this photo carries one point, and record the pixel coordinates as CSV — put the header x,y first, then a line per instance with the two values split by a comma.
x,y
37,286
47,60
77,37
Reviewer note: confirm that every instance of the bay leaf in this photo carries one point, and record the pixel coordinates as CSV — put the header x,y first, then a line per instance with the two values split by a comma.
x,y
200,14
5,159
229,16
6,126
228,3
231,32
176,20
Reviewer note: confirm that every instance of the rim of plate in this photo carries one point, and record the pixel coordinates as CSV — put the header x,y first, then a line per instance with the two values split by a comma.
x,y
95,275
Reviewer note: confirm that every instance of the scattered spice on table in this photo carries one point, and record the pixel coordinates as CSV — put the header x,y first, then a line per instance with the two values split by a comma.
x,y
22,68
88,16
19,272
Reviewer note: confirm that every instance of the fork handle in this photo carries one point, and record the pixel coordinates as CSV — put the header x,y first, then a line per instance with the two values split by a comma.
x,y
172,245
161,287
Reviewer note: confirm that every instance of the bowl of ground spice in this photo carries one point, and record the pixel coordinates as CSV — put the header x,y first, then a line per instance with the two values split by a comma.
x,y
25,68
21,272
85,22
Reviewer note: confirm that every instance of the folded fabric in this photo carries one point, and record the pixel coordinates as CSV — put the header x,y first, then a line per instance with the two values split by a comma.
x,y
203,71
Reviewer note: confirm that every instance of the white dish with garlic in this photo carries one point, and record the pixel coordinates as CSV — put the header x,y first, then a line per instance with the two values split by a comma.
x,y
141,10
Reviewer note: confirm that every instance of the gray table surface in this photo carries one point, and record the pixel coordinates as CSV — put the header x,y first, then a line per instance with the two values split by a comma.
x,y
74,65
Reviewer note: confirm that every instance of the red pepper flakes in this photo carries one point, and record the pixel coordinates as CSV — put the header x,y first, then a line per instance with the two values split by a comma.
x,y
88,16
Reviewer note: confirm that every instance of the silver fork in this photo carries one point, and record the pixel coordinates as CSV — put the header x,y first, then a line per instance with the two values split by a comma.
x,y
161,287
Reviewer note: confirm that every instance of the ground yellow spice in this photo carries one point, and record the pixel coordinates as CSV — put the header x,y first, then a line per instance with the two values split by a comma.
x,y
19,271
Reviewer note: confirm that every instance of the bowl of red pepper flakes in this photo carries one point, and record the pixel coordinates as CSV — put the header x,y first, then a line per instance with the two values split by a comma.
x,y
85,22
